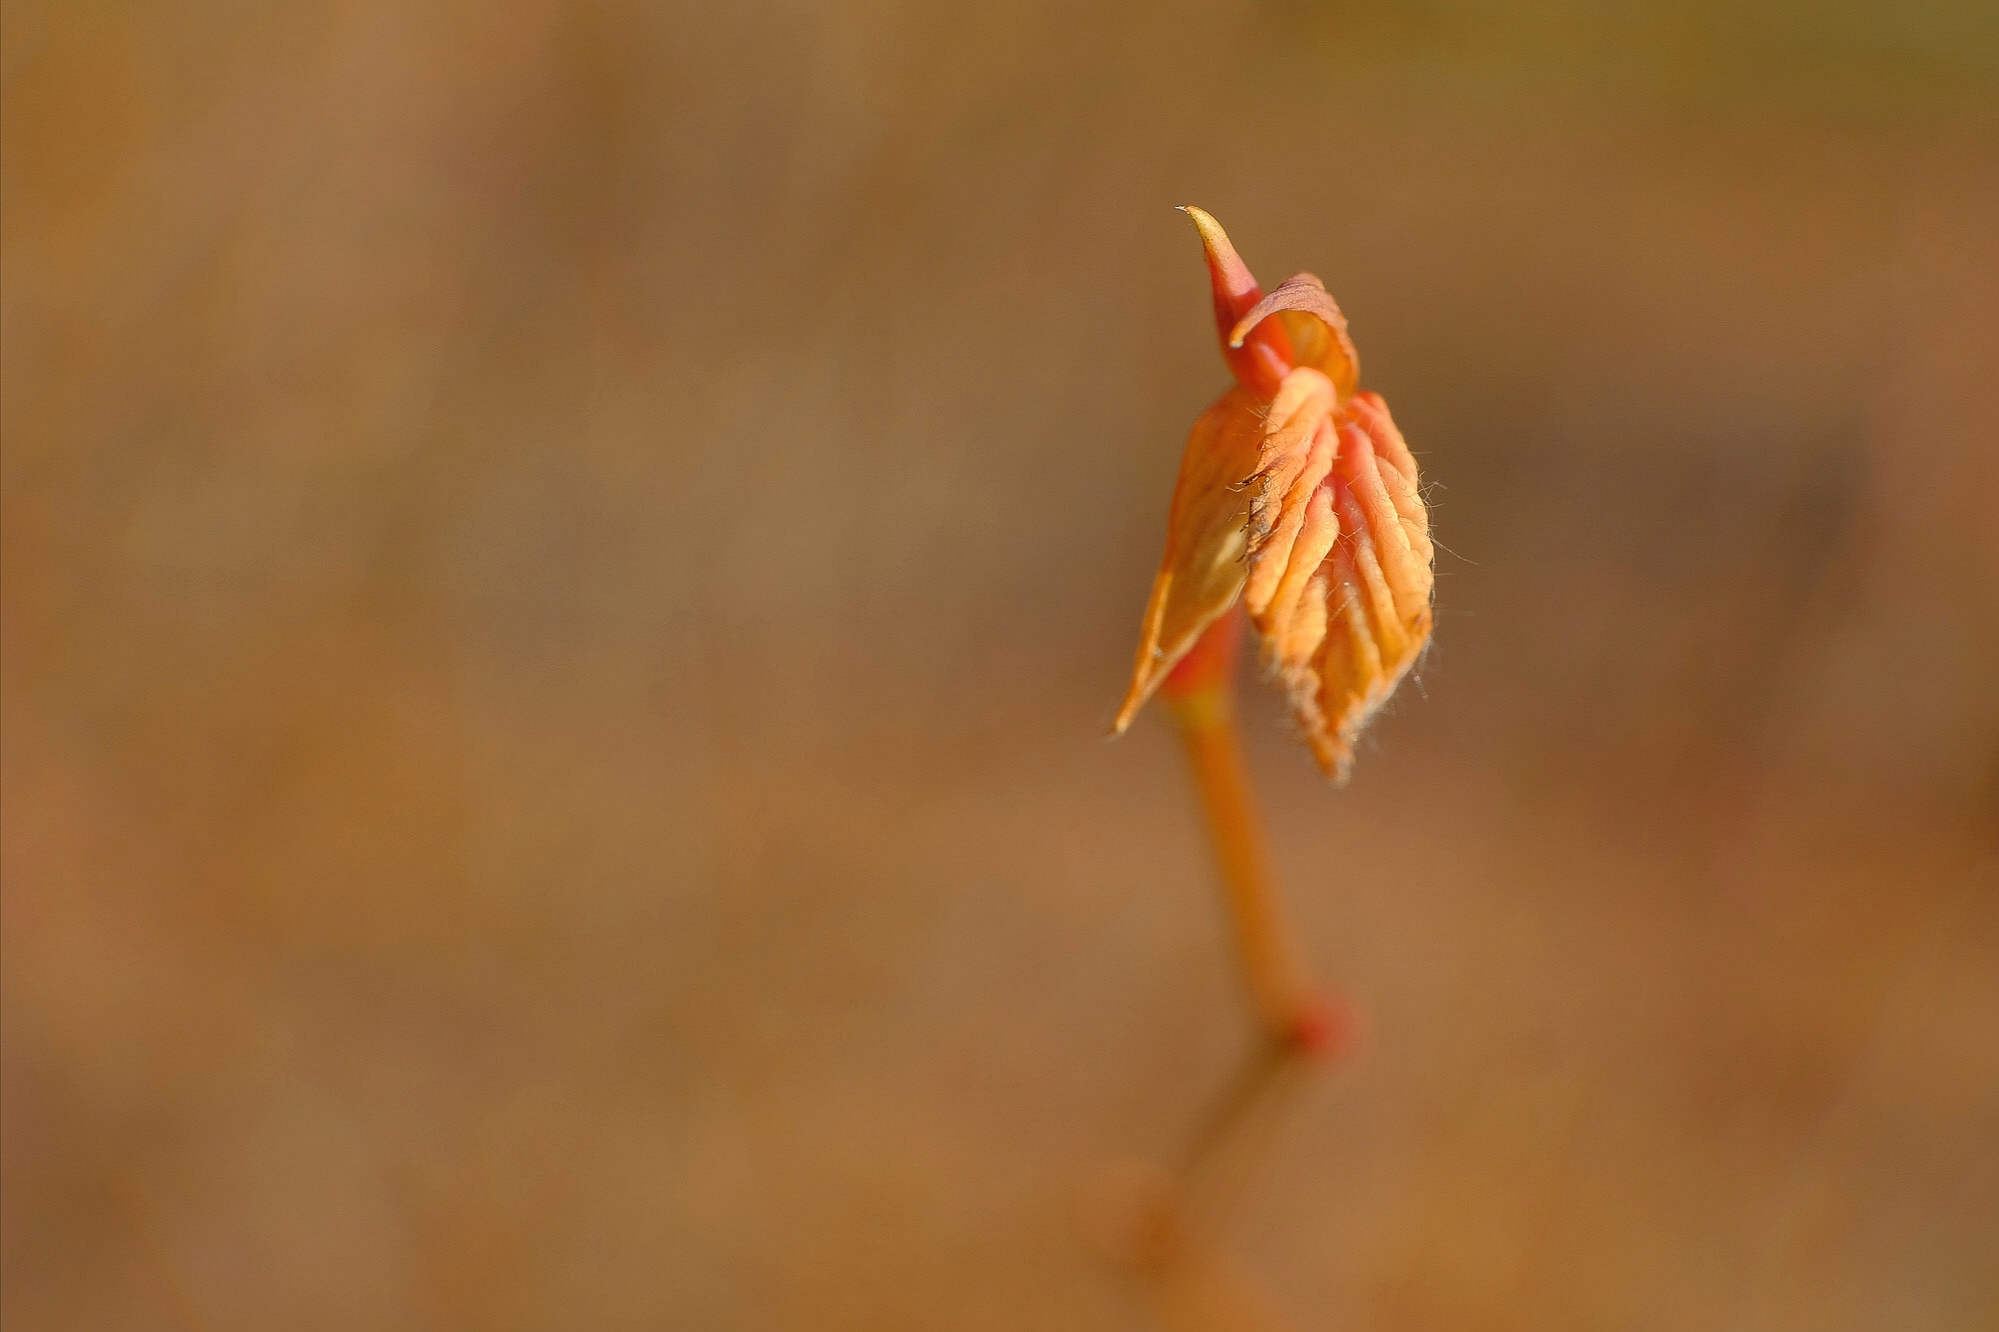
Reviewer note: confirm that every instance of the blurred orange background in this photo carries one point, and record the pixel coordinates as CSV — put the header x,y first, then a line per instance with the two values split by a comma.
x,y
566,565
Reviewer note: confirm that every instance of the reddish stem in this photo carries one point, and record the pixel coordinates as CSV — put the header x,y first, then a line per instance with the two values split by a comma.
x,y
1200,695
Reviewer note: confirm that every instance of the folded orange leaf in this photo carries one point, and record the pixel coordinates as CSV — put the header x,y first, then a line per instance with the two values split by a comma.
x,y
1298,495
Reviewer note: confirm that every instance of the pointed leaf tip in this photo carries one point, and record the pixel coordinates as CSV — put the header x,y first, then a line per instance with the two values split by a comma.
x,y
1235,286
1260,361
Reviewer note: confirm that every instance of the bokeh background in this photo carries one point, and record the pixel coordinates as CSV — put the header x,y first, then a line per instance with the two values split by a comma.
x,y
565,568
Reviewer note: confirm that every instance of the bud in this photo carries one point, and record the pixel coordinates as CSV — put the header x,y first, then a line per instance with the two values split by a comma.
x,y
1298,496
